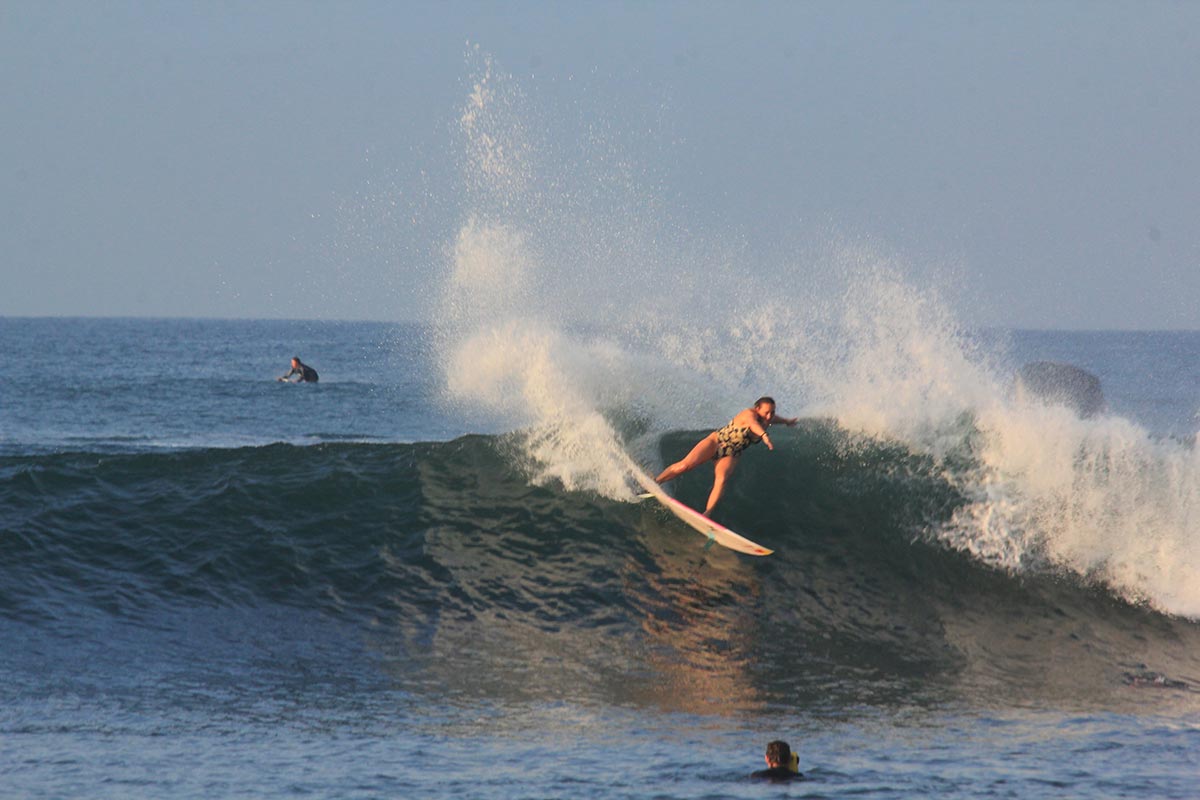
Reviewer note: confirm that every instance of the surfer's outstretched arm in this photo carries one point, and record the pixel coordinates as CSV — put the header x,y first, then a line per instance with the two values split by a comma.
x,y
765,433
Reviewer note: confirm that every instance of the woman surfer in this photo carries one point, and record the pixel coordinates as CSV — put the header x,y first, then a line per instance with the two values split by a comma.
x,y
723,446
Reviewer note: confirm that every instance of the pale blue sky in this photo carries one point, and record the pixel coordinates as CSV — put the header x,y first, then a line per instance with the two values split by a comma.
x,y
289,159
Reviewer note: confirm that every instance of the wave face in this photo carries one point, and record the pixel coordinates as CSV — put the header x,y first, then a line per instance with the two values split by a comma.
x,y
469,580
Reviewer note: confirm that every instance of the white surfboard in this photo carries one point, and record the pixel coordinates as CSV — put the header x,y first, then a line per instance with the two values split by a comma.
x,y
705,526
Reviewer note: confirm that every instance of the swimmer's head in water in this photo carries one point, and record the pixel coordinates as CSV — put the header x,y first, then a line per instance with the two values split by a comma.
x,y
780,755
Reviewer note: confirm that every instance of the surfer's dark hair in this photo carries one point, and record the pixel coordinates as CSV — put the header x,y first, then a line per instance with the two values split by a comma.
x,y
762,400
779,754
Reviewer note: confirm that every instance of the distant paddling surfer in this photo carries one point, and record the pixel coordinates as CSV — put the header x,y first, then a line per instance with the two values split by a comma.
x,y
723,446
306,373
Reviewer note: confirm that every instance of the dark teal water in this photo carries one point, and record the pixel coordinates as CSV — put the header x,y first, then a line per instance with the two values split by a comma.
x,y
215,585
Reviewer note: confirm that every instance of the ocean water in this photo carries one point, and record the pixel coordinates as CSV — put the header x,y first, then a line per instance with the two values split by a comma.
x,y
428,575
216,585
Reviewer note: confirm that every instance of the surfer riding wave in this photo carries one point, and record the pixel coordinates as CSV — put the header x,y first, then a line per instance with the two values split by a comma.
x,y
725,445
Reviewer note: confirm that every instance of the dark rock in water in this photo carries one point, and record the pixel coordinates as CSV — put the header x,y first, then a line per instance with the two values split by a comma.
x,y
1062,384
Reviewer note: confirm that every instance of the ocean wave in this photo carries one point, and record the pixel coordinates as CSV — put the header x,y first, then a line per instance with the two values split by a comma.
x,y
448,552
